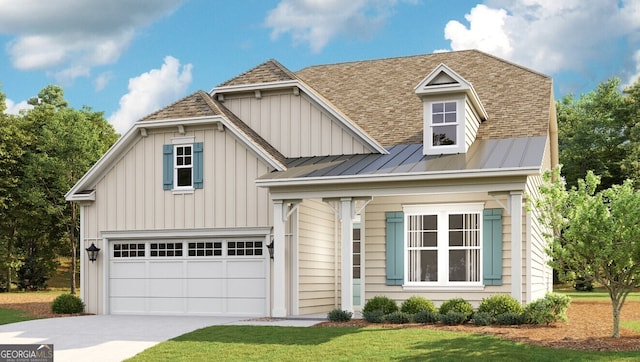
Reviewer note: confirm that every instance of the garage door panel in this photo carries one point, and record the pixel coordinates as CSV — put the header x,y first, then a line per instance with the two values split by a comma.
x,y
206,305
249,268
205,269
166,305
205,288
245,288
166,288
166,269
127,287
201,285
128,269
128,305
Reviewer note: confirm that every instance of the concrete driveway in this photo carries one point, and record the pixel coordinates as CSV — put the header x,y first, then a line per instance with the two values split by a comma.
x,y
112,338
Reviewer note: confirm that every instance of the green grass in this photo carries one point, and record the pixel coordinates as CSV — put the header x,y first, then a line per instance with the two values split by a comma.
x,y
12,316
597,295
266,343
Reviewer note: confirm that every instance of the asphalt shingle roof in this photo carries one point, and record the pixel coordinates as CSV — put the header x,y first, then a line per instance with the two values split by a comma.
x,y
379,94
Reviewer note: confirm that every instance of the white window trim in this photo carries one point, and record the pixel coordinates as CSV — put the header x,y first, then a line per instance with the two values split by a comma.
x,y
459,147
176,167
443,267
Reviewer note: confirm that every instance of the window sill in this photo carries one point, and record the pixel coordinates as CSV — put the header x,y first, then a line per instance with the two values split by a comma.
x,y
182,191
443,288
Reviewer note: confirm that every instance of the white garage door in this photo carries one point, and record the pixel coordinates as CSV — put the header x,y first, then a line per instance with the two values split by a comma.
x,y
200,277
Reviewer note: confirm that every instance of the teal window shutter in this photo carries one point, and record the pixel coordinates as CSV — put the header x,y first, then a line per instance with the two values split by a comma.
x,y
395,248
492,247
167,167
198,177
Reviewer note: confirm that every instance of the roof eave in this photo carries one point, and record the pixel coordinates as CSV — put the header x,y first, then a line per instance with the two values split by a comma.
x,y
422,176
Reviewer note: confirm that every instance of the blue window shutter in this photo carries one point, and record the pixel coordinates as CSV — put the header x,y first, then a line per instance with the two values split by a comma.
x,y
492,247
167,167
198,166
395,248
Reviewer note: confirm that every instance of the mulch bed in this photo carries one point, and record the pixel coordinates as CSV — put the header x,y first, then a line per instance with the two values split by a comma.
x,y
589,326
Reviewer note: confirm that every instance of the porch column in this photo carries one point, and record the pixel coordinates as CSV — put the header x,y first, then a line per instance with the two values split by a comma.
x,y
278,309
515,199
346,217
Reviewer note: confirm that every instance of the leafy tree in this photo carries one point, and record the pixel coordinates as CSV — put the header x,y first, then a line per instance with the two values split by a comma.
x,y
594,234
12,140
60,144
591,132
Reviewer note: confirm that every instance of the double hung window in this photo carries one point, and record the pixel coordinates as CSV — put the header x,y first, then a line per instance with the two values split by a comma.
x,y
443,244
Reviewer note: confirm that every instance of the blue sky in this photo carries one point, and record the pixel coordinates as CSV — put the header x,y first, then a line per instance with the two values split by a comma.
x,y
130,58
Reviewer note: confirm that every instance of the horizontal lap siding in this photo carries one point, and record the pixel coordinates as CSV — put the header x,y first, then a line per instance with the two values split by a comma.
x,y
316,253
295,125
541,273
375,274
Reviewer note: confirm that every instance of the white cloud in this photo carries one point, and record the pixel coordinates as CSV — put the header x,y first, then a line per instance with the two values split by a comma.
x,y
635,76
150,91
316,22
15,108
69,37
102,80
547,35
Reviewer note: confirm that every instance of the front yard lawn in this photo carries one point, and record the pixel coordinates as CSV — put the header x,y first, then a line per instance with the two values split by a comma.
x,y
13,316
266,343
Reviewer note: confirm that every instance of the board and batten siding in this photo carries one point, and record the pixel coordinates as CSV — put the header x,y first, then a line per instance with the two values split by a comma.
x,y
541,277
318,263
295,124
130,196
374,252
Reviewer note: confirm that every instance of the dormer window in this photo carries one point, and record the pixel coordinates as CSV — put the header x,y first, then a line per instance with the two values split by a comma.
x,y
452,112
444,123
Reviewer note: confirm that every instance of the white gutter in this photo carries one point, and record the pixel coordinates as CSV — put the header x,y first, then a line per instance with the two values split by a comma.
x,y
421,176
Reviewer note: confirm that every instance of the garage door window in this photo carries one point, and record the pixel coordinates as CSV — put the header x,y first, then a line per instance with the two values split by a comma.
x,y
242,248
205,249
128,250
165,249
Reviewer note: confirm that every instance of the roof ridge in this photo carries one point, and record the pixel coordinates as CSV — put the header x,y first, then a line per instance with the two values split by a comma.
x,y
272,67
174,104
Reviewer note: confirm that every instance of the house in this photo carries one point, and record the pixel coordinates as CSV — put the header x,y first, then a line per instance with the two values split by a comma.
x,y
398,177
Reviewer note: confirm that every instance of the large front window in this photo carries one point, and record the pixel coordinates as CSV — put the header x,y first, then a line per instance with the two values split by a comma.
x,y
443,244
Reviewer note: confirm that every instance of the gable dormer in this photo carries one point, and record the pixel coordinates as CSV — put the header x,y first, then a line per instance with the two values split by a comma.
x,y
452,112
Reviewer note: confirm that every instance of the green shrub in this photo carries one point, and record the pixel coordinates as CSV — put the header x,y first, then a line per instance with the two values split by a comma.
x,y
482,318
398,317
500,304
380,302
509,319
552,308
416,304
338,315
426,317
457,305
559,305
67,304
453,318
373,316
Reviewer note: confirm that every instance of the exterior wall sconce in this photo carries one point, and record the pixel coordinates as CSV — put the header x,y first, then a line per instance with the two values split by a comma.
x,y
92,252
270,248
